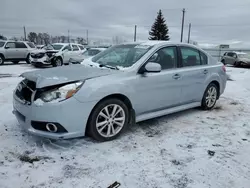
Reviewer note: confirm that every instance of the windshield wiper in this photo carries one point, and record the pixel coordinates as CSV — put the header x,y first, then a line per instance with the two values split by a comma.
x,y
108,66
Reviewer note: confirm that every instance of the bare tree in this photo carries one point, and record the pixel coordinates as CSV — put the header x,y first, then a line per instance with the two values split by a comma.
x,y
46,38
2,37
63,39
32,37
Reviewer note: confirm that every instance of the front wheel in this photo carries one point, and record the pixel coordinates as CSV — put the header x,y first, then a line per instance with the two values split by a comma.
x,y
108,119
28,59
57,62
210,97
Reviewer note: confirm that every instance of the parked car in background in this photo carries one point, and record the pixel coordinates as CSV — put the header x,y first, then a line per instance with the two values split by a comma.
x,y
15,51
86,54
236,58
124,84
56,54
40,46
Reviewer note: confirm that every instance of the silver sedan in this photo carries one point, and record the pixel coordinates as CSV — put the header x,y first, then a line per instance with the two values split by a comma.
x,y
122,85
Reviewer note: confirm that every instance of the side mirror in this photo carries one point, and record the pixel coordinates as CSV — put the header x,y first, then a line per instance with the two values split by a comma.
x,y
6,47
153,67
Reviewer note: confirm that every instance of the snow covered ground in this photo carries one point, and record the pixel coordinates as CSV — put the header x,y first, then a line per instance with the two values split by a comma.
x,y
171,151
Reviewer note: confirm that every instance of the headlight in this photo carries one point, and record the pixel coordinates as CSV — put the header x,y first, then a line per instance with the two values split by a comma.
x,y
59,94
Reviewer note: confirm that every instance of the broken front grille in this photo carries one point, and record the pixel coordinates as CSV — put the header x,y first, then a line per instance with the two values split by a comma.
x,y
25,90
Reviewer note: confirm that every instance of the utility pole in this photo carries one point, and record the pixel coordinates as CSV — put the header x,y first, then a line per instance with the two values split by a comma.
x,y
189,30
182,25
68,37
87,37
24,32
135,33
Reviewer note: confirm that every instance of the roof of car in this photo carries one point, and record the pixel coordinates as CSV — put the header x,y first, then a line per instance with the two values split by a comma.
x,y
98,49
67,43
158,42
240,52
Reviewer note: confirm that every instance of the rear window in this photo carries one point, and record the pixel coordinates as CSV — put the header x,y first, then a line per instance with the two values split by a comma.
x,y
20,45
31,45
2,44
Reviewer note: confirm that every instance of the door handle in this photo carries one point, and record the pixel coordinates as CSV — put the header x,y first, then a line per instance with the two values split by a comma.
x,y
176,76
205,71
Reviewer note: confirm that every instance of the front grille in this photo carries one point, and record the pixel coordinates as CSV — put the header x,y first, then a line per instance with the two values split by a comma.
x,y
38,55
25,90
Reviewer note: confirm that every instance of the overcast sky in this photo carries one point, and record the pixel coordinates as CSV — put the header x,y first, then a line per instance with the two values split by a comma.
x,y
213,21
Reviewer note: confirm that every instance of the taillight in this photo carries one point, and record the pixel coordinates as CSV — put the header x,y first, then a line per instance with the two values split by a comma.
x,y
224,68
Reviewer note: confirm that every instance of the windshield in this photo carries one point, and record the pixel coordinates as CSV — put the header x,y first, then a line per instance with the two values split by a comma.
x,y
121,55
57,46
244,56
2,44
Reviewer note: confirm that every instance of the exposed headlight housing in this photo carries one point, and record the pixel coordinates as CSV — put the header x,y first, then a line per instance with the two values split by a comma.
x,y
59,94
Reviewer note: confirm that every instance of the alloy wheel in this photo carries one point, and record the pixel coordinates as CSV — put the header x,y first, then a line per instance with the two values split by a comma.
x,y
110,120
211,96
58,62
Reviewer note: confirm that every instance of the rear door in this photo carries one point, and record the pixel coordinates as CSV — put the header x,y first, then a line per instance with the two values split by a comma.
x,y
10,50
231,58
67,53
21,50
76,50
194,71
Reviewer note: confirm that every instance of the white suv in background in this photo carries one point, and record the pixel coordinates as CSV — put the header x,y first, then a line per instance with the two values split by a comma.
x,y
15,51
56,54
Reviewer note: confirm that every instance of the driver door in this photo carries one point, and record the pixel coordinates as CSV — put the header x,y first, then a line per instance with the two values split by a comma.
x,y
162,90
67,53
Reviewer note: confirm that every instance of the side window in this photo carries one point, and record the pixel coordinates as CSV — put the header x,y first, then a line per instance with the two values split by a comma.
x,y
68,47
20,45
81,47
230,54
203,58
10,45
166,57
75,48
190,57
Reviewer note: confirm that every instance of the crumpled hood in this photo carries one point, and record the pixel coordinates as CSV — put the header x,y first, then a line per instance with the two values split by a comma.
x,y
65,74
37,51
245,60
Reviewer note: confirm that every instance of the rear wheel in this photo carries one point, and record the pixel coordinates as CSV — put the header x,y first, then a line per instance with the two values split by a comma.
x,y
1,59
236,64
108,119
210,97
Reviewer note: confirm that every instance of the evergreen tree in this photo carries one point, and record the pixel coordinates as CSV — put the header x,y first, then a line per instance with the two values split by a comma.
x,y
159,30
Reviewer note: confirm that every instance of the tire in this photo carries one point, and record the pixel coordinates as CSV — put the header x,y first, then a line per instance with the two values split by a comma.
x,y
57,62
15,62
101,134
223,61
28,59
214,92
236,64
2,59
